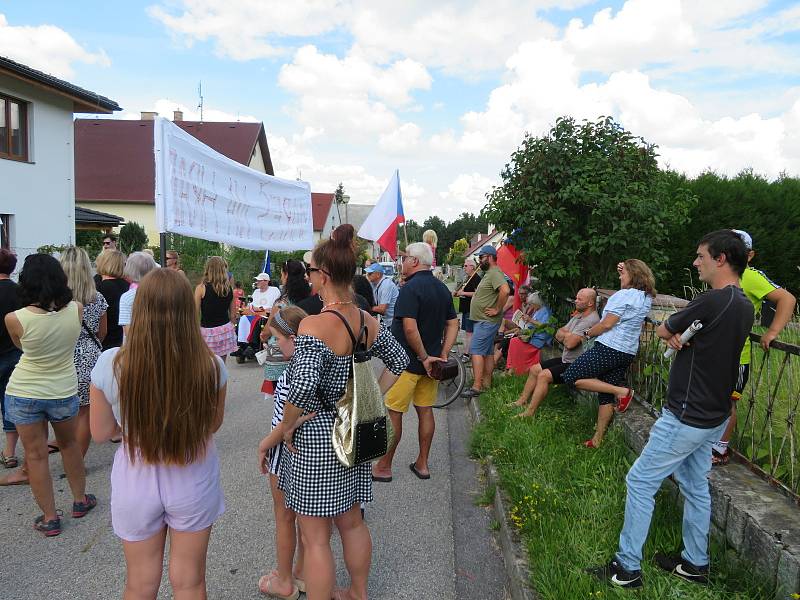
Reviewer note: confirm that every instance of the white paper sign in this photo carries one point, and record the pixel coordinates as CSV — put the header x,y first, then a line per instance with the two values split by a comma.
x,y
203,194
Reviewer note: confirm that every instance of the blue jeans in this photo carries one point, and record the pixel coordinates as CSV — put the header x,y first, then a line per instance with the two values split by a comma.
x,y
27,411
685,451
7,363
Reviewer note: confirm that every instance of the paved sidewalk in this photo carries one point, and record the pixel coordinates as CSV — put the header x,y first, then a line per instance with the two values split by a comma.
x,y
411,523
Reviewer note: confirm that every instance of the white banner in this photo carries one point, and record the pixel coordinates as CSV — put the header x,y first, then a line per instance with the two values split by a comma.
x,y
203,194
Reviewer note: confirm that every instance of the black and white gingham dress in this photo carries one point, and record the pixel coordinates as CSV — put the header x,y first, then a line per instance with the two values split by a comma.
x,y
313,480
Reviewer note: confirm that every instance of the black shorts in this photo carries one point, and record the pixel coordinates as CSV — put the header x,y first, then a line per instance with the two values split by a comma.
x,y
556,367
741,381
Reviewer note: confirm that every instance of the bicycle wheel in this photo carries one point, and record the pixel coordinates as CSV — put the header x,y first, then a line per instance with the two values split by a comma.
x,y
451,389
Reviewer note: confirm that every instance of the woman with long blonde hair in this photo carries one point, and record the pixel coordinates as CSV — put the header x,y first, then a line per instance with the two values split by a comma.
x,y
602,368
214,299
166,472
94,325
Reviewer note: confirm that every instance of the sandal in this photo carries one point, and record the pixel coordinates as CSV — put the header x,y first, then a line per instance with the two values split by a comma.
x,y
266,581
720,459
9,462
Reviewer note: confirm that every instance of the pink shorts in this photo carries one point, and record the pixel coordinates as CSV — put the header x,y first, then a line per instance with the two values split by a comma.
x,y
145,498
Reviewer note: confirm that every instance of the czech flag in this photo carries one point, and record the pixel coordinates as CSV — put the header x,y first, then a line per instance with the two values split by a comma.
x,y
381,224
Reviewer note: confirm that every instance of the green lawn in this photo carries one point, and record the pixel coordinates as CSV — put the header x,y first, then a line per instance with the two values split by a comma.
x,y
567,503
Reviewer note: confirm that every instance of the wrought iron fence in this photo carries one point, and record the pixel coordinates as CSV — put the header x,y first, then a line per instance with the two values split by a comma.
x,y
767,436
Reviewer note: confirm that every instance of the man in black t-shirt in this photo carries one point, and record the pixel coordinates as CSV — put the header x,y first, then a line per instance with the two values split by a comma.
x,y
426,325
696,412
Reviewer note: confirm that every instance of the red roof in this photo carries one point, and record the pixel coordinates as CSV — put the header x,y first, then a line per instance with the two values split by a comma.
x,y
114,158
320,209
482,240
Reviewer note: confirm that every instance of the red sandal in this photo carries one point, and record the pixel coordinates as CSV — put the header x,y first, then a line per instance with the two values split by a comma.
x,y
624,402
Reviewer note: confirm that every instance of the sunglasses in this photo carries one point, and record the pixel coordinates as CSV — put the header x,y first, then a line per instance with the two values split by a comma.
x,y
106,243
315,269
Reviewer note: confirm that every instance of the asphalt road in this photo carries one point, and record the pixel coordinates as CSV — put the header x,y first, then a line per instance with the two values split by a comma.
x,y
430,541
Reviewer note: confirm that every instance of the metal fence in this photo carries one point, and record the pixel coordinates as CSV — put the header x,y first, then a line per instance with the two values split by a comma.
x,y
767,437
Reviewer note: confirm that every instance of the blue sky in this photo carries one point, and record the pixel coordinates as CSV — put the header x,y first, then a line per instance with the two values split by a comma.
x,y
349,90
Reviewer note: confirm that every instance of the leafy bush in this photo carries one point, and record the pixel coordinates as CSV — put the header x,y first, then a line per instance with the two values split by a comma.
x,y
132,237
584,197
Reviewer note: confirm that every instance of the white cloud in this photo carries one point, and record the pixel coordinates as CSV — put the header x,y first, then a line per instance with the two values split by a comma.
x,y
46,47
542,84
403,139
352,97
466,193
642,32
250,29
165,107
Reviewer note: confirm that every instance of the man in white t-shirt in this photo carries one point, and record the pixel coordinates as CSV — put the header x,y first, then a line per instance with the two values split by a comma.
x,y
264,296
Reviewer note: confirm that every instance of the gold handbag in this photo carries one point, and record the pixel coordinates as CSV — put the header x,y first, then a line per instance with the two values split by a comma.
x,y
362,430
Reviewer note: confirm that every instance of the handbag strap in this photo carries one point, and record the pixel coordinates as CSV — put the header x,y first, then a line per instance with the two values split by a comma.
x,y
361,332
95,339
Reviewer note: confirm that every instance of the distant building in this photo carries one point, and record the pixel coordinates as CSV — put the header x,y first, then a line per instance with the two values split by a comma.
x,y
37,190
325,215
115,170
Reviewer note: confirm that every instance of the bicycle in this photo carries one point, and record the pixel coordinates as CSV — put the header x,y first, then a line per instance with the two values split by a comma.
x,y
450,389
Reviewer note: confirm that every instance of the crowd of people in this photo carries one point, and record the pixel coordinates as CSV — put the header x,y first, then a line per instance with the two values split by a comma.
x,y
114,346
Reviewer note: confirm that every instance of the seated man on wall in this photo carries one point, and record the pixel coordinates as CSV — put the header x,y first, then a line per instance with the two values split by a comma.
x,y
541,375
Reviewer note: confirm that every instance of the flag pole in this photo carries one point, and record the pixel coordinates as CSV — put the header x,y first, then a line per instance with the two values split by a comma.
x,y
405,233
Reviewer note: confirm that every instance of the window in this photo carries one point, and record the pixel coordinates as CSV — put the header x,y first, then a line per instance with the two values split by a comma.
x,y
13,128
5,231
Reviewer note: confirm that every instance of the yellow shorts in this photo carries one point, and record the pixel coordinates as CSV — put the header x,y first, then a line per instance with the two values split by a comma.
x,y
419,388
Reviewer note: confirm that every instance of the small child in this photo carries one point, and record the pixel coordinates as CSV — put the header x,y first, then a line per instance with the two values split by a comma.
x,y
283,582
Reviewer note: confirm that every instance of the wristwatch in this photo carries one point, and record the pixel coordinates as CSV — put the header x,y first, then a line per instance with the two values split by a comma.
x,y
586,333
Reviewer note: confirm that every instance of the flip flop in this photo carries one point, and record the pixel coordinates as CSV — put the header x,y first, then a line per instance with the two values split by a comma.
x,y
269,594
382,479
5,482
413,468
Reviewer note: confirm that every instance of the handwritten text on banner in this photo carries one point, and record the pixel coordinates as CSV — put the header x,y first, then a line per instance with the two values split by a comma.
x,y
203,194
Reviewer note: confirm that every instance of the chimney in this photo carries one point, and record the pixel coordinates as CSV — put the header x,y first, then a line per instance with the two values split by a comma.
x,y
177,115
149,115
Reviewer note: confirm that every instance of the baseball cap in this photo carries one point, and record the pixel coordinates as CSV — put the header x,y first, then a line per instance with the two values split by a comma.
x,y
748,241
487,250
374,268
262,277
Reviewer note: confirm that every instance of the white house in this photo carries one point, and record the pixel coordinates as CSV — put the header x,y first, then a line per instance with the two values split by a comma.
x,y
37,193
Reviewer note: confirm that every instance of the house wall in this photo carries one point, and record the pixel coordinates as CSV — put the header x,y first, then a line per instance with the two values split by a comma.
x,y
257,161
40,194
143,214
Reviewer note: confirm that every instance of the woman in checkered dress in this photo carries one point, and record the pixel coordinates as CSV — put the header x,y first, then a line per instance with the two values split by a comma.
x,y
316,485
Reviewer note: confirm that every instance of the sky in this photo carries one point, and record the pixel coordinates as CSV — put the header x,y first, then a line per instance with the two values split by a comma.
x,y
350,90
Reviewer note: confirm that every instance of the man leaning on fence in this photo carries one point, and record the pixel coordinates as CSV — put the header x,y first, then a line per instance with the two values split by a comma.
x,y
426,326
696,411
757,287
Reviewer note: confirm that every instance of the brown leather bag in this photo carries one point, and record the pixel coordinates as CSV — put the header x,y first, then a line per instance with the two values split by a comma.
x,y
443,371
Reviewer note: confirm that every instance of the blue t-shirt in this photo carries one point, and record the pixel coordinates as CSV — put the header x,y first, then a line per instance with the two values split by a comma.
x,y
631,306
428,301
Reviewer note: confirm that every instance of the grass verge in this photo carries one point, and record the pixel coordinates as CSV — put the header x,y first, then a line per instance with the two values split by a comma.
x,y
567,503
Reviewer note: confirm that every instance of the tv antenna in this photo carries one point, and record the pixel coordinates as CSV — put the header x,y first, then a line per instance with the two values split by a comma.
x,y
200,104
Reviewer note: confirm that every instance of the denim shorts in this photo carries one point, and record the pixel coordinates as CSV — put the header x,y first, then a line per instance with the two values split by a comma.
x,y
483,338
27,411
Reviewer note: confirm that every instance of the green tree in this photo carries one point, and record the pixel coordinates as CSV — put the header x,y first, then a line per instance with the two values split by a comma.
x,y
132,237
767,210
414,231
457,251
584,197
90,240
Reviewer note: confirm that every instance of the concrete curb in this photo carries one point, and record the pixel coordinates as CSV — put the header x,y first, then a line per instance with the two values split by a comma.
x,y
515,557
